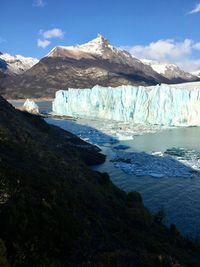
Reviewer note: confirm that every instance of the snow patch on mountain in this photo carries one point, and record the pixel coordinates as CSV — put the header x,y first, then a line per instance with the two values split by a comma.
x,y
16,64
98,48
170,71
196,73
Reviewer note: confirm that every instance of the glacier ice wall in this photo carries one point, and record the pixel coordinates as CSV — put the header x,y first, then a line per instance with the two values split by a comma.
x,y
170,105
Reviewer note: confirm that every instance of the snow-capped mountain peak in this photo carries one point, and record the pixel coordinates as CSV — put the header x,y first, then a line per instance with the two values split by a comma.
x,y
169,70
96,48
196,73
160,67
16,64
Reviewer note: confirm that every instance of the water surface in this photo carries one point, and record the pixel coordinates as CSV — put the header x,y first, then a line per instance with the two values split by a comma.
x,y
180,197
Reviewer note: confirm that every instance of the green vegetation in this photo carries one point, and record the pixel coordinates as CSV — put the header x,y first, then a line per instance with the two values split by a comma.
x,y
56,212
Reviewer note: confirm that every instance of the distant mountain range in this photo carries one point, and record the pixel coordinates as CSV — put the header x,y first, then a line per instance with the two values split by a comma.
x,y
83,66
14,65
170,71
196,73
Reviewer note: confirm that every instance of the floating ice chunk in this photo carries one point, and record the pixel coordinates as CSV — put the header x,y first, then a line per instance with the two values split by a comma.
x,y
31,106
189,157
84,131
144,164
121,147
124,136
107,131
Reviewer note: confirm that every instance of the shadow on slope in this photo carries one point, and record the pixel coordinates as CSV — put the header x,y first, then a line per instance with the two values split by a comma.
x,y
85,132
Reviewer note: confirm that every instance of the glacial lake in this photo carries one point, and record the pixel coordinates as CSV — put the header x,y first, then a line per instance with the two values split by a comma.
x,y
179,197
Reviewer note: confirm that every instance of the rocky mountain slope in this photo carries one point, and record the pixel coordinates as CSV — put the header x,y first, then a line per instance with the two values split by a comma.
x,y
84,66
13,65
55,211
96,62
171,71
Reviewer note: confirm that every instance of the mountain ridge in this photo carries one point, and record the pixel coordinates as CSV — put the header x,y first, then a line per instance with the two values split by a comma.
x,y
82,66
170,71
196,73
15,65
76,67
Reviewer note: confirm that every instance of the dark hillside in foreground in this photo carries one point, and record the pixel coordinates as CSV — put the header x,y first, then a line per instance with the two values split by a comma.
x,y
56,212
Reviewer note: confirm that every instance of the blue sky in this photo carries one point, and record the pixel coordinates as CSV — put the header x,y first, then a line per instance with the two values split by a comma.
x,y
166,30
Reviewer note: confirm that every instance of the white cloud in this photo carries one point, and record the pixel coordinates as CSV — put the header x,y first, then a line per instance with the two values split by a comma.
x,y
39,3
163,50
196,9
47,35
52,33
43,43
196,46
169,50
189,65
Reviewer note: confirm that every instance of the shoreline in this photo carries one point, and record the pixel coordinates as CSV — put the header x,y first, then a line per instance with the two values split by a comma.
x,y
34,99
146,185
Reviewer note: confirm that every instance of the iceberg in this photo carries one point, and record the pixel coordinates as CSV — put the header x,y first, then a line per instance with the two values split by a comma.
x,y
156,165
31,106
168,105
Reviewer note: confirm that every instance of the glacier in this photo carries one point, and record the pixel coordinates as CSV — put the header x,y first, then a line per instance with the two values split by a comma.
x,y
168,105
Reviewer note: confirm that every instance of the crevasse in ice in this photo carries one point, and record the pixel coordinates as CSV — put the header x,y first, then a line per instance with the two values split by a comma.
x,y
171,105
